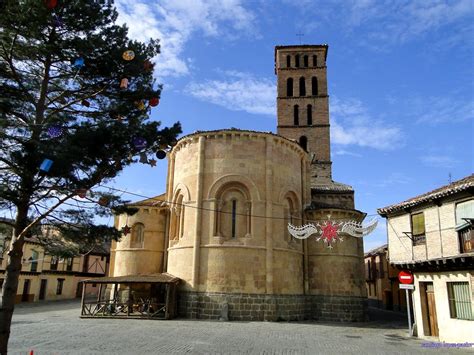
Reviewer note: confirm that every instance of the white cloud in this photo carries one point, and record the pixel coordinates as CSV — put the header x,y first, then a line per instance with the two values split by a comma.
x,y
352,124
347,152
439,161
387,22
174,23
238,92
435,110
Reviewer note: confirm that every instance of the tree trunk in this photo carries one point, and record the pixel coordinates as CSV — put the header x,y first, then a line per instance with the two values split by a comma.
x,y
10,284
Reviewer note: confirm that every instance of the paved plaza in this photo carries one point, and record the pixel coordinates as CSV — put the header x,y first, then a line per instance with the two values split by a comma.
x,y
55,328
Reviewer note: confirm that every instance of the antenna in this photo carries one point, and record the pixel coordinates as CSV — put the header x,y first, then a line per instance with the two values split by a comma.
x,y
450,178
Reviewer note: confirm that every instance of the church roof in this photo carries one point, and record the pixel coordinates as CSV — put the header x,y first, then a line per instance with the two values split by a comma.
x,y
332,186
464,184
237,130
157,201
304,46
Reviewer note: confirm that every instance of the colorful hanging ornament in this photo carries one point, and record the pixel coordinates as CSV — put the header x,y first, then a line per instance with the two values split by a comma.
x,y
147,65
82,193
85,103
140,105
152,162
78,63
124,83
161,154
46,165
103,201
55,131
139,142
128,55
154,101
51,4
329,231
126,230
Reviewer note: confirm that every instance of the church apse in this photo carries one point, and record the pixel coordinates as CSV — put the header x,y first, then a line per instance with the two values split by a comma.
x,y
230,196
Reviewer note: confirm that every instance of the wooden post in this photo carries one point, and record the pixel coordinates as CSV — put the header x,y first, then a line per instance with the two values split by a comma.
x,y
84,285
128,301
167,302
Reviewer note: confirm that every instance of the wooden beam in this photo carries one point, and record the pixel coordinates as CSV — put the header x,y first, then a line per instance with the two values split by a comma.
x,y
84,285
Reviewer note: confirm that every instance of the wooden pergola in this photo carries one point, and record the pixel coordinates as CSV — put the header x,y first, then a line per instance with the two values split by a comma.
x,y
133,296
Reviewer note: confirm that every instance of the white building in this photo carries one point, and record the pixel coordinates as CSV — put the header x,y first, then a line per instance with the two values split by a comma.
x,y
431,235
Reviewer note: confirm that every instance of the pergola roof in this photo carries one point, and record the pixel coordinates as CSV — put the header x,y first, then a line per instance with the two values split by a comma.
x,y
129,279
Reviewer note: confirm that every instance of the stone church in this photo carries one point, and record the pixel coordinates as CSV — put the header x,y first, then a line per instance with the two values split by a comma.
x,y
221,225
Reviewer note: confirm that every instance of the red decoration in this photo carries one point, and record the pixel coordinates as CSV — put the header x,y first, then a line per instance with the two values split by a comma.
x,y
154,101
147,65
81,193
126,230
103,201
51,4
329,232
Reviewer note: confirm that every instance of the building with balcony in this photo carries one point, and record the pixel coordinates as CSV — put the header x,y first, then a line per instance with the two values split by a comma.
x,y
431,236
381,279
48,277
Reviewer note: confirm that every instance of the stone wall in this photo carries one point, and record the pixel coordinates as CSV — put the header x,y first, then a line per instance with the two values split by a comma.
x,y
257,307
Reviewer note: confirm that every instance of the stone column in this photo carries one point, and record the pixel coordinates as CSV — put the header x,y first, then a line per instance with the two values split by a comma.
x,y
198,220
270,304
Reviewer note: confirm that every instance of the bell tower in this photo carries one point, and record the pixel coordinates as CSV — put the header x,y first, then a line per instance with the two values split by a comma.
x,y
302,104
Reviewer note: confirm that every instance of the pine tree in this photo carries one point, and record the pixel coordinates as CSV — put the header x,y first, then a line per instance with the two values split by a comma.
x,y
75,98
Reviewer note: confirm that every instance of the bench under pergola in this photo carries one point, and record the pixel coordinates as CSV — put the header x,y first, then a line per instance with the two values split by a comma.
x,y
133,296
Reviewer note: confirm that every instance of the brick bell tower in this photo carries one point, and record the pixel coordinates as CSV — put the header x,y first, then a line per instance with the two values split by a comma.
x,y
303,115
302,104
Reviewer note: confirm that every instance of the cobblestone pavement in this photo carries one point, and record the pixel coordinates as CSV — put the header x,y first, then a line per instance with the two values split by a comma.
x,y
55,328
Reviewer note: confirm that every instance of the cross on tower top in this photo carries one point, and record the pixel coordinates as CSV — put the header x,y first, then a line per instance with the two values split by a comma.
x,y
299,34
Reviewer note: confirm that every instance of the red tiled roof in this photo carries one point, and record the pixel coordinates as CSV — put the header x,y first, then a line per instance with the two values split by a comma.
x,y
444,191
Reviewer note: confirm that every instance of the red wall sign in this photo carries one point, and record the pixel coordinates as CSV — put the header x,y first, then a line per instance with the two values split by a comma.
x,y
405,277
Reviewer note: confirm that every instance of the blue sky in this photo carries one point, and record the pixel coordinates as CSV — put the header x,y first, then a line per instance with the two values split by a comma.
x,y
400,77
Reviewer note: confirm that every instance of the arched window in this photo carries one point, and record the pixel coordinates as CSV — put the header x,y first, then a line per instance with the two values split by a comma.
x,y
137,239
302,87
297,60
233,209
234,217
309,112
289,87
177,218
305,61
314,86
296,115
315,61
288,61
304,142
288,212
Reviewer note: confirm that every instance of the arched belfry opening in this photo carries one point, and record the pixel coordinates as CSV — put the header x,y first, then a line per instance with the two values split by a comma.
x,y
302,86
304,142
289,87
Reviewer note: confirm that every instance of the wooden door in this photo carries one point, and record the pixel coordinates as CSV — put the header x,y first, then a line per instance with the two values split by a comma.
x,y
42,292
80,285
430,298
26,291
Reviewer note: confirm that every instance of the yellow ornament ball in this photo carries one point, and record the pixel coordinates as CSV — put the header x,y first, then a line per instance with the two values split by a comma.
x,y
128,55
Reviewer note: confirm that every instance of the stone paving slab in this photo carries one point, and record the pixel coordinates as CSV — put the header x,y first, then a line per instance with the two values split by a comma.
x,y
55,328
